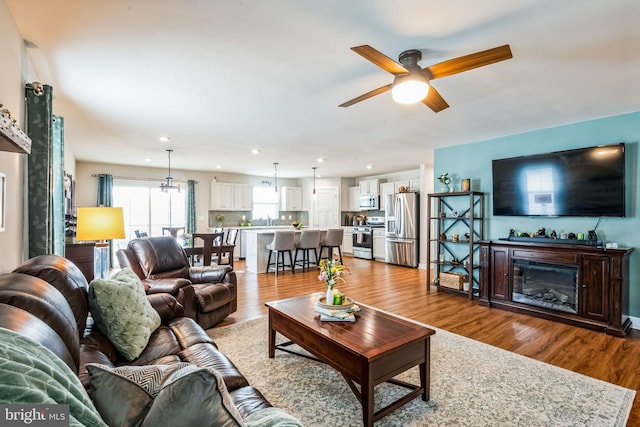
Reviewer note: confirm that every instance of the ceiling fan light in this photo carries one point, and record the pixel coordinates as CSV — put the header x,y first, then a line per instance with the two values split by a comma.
x,y
407,90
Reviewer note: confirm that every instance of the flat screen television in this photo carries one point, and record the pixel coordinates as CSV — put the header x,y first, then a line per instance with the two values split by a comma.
x,y
587,182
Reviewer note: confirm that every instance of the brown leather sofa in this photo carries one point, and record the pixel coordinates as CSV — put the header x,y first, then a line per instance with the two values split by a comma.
x,y
208,293
45,300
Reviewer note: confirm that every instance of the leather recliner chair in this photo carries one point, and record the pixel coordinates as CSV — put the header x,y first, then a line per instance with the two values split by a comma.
x,y
207,293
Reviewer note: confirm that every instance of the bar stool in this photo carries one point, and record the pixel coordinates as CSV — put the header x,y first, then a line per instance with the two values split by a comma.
x,y
333,239
283,241
309,240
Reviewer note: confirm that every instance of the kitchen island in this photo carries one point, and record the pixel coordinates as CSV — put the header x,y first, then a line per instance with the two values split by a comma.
x,y
257,255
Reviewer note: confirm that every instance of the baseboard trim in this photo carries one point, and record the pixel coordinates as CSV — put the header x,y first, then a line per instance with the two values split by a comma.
x,y
635,322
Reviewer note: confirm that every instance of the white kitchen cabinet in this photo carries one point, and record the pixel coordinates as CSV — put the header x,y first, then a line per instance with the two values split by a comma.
x,y
399,184
369,186
243,197
411,184
227,196
222,194
354,199
347,241
379,244
386,188
291,199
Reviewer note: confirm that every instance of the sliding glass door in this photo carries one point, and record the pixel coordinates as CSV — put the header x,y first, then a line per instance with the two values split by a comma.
x,y
146,208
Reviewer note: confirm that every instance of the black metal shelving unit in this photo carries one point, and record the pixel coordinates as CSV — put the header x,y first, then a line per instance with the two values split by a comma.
x,y
451,213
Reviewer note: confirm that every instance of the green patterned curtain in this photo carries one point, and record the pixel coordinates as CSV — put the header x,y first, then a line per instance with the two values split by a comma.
x,y
45,174
57,178
191,207
105,190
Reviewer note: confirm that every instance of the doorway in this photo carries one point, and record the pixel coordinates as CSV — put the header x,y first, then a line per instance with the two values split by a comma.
x,y
325,209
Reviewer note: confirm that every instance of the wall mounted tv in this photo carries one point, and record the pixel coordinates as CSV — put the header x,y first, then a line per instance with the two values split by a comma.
x,y
582,182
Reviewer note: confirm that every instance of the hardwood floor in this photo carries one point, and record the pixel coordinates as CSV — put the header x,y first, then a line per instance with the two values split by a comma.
x,y
403,291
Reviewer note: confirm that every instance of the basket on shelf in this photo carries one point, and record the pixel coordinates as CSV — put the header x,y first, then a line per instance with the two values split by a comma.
x,y
452,280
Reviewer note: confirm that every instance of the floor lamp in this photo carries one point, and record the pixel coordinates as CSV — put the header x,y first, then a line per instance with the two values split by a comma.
x,y
100,224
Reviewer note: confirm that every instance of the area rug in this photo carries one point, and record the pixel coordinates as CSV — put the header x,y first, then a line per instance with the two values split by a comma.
x,y
472,384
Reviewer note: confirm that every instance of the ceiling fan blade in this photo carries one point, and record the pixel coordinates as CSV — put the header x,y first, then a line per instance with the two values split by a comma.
x,y
434,100
379,59
367,95
468,62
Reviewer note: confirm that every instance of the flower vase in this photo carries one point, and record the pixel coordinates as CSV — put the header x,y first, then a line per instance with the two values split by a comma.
x,y
329,297
445,188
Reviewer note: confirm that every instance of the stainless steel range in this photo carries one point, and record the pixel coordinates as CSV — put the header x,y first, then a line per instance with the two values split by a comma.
x,y
363,237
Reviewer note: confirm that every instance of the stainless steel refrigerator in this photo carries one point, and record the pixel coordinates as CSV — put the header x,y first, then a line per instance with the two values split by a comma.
x,y
402,224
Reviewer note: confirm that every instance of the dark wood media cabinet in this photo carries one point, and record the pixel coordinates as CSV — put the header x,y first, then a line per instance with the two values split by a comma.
x,y
598,295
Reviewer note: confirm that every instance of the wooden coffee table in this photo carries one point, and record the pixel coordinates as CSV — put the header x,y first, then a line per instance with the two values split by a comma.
x,y
370,351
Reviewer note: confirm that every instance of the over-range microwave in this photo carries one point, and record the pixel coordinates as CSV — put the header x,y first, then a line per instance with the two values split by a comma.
x,y
369,202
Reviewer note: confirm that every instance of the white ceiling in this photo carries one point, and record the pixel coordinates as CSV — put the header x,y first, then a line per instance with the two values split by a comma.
x,y
223,77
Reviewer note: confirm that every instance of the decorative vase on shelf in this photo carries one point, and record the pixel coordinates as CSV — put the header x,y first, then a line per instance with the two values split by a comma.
x,y
329,297
445,188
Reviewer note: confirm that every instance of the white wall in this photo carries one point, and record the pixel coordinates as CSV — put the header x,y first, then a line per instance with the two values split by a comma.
x,y
12,164
86,184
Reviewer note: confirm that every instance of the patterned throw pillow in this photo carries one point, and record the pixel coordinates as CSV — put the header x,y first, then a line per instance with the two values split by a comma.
x,y
122,312
179,394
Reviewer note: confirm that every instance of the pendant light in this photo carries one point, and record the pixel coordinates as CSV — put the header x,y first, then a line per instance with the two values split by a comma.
x,y
275,175
165,187
314,180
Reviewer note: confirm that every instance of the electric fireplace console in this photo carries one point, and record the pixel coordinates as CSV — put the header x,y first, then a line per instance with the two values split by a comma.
x,y
581,285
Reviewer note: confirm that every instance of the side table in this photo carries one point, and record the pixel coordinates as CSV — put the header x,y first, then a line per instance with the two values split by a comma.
x,y
81,254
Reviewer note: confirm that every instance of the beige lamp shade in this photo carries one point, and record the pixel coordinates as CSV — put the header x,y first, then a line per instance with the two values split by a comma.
x,y
100,224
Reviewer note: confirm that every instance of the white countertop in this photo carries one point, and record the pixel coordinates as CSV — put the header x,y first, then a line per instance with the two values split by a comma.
x,y
269,230
259,227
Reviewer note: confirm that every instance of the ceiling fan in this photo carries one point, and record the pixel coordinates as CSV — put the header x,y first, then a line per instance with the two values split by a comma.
x,y
414,81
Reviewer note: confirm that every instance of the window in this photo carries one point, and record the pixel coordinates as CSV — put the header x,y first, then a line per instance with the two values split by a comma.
x,y
146,208
265,203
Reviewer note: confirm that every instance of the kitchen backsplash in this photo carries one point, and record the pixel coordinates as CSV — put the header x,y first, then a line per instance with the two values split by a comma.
x,y
347,217
235,218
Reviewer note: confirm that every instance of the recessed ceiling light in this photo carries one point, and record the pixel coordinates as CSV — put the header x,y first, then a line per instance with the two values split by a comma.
x,y
255,151
320,160
147,159
163,138
218,166
369,166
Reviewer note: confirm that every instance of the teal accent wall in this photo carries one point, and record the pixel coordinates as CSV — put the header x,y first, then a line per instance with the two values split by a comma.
x,y
473,161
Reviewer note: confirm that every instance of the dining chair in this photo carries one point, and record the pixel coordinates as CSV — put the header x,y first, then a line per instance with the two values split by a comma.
x,y
209,245
141,233
225,250
232,236
174,231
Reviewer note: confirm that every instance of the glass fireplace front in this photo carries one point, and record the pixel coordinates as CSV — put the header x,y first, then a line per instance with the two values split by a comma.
x,y
552,286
